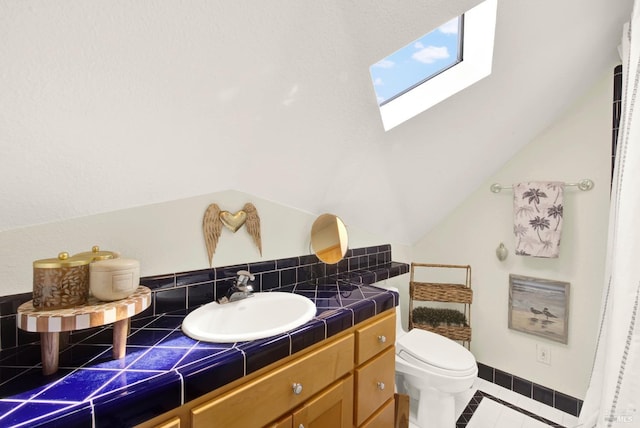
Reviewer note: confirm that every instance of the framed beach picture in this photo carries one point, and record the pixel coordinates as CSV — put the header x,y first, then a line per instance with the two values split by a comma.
x,y
539,307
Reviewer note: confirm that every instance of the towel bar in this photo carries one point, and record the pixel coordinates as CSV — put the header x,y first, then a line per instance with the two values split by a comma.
x,y
584,184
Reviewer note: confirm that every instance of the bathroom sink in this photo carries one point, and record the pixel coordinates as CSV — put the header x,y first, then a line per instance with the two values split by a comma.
x,y
263,315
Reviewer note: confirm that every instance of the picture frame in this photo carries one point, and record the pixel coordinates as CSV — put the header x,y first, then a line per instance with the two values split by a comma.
x,y
539,307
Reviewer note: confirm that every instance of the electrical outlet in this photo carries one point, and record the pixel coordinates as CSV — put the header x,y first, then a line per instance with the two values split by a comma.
x,y
543,354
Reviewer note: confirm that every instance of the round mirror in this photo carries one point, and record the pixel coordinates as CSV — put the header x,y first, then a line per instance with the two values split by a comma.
x,y
329,238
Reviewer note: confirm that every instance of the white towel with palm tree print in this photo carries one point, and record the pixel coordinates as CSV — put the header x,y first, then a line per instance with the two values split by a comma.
x,y
537,209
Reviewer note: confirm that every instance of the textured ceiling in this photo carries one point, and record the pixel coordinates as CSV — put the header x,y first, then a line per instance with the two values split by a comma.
x,y
113,104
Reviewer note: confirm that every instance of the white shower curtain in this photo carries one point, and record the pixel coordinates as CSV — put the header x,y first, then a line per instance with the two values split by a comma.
x,y
613,397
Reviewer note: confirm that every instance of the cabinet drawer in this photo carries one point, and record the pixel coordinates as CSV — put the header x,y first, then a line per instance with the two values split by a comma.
x,y
172,423
271,395
284,422
383,418
375,338
374,384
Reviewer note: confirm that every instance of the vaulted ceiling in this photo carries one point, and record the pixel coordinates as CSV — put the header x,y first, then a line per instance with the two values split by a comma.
x,y
113,104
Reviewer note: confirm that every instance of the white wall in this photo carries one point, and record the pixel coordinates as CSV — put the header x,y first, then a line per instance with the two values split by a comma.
x,y
577,146
166,238
109,105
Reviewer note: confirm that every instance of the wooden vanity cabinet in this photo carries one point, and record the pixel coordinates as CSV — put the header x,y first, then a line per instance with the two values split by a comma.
x,y
268,397
346,381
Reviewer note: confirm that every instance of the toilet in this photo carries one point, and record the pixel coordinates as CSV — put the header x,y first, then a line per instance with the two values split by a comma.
x,y
433,370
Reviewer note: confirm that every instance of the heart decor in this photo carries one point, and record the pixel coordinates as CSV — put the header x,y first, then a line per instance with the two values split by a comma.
x,y
233,221
214,218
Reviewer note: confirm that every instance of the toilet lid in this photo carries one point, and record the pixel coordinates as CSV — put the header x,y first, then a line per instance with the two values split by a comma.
x,y
436,351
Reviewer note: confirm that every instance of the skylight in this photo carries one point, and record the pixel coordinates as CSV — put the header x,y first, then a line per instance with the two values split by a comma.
x,y
418,62
432,68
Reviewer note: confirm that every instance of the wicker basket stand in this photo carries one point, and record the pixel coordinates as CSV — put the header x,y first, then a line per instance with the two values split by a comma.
x,y
443,292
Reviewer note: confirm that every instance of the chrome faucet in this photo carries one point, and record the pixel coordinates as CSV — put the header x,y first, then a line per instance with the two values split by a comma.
x,y
241,289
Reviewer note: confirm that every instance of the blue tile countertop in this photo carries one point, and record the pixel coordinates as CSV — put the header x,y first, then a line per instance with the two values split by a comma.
x,y
162,368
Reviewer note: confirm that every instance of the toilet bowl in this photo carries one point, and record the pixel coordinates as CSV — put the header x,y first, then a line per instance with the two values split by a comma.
x,y
433,370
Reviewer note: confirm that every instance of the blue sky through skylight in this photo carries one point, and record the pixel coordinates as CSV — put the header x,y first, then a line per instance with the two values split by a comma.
x,y
417,62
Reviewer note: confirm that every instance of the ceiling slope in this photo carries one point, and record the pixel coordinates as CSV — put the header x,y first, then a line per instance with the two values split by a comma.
x,y
110,105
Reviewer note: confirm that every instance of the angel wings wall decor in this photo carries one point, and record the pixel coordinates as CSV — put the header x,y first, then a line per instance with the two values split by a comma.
x,y
214,218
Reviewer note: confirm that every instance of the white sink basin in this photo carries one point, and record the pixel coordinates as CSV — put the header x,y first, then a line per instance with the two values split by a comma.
x,y
263,315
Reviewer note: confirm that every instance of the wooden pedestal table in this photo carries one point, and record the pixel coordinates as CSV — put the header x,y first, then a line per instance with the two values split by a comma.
x,y
95,313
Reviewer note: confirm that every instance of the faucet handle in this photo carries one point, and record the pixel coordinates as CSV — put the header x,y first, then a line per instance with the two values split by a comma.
x,y
244,276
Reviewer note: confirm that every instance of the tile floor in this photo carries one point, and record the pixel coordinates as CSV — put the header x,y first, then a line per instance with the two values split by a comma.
x,y
488,405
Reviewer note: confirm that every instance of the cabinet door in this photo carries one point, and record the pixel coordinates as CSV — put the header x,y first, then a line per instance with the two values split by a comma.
x,y
279,391
332,407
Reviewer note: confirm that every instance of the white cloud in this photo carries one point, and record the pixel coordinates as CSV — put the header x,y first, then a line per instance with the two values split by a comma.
x,y
450,27
418,45
378,82
431,54
385,63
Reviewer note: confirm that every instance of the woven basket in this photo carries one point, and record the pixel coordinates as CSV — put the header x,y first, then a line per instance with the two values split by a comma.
x,y
440,292
457,292
454,332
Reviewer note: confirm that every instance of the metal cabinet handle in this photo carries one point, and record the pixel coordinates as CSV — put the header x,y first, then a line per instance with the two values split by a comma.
x,y
381,386
297,389
300,426
382,339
